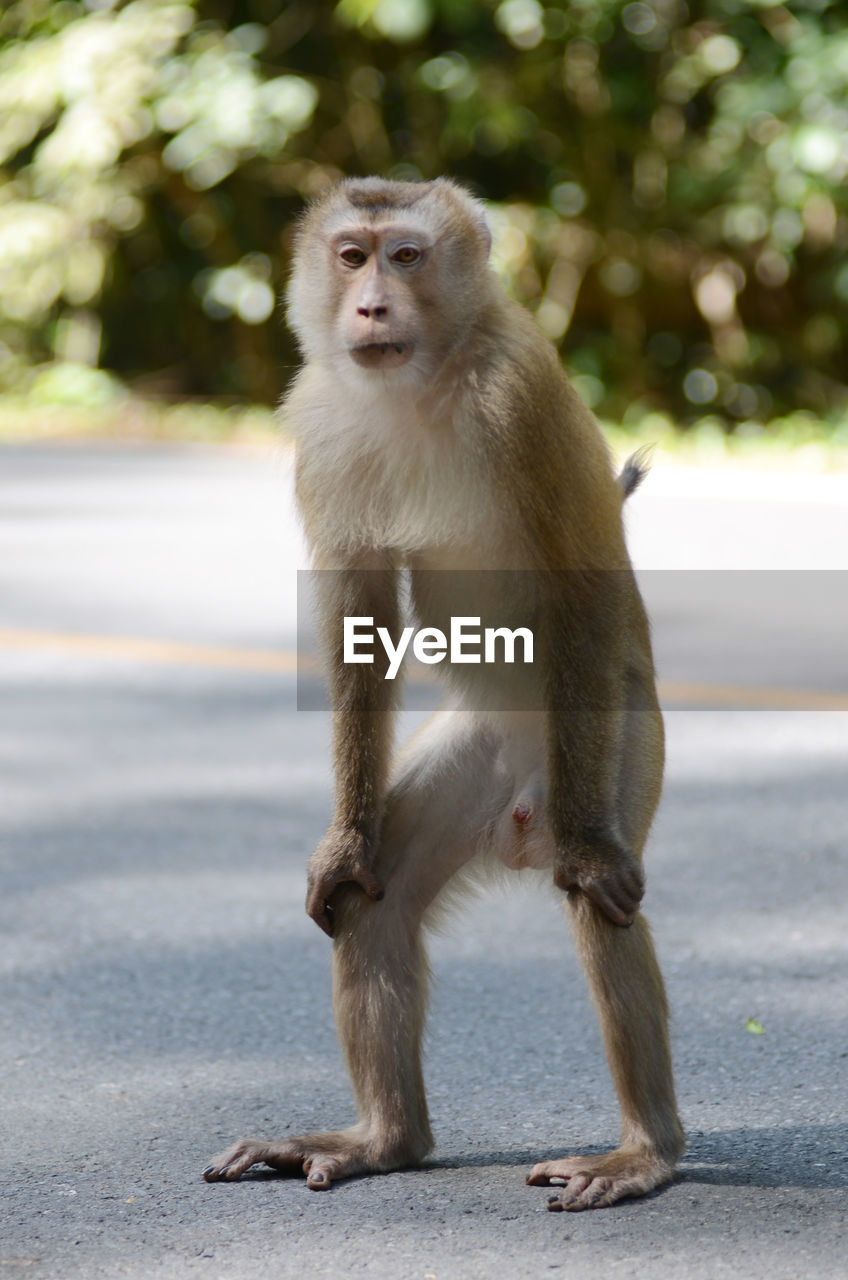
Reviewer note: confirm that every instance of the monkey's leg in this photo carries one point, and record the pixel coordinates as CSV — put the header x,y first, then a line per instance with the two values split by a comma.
x,y
628,992
435,812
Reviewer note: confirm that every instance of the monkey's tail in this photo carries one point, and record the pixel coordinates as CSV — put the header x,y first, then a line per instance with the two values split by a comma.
x,y
635,469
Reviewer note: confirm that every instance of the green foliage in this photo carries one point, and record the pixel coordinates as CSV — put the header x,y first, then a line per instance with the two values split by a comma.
x,y
668,183
756,1028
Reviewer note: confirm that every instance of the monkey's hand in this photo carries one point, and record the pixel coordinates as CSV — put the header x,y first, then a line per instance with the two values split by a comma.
x,y
342,857
606,872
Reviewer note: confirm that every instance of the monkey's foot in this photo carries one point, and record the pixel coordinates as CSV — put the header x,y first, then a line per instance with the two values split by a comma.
x,y
595,1181
322,1157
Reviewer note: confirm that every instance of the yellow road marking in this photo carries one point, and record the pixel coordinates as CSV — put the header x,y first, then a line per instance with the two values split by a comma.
x,y
138,649
273,661
742,696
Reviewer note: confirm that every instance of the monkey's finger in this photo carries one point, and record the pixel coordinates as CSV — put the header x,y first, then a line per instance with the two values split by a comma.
x,y
633,882
318,1179
564,880
370,885
619,912
325,921
619,908
319,910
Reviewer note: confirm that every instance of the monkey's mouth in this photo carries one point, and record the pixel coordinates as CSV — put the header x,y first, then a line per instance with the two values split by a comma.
x,y
381,355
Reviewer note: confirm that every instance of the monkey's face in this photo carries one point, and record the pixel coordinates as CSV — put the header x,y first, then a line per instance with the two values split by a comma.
x,y
383,282
388,276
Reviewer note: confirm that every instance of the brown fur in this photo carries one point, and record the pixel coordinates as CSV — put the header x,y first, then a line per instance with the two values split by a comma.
x,y
438,432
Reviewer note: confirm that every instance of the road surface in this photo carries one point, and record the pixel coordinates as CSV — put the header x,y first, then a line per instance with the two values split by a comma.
x,y
164,993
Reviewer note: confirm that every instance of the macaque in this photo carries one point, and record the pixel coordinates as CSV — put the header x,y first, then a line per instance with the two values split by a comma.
x,y
439,439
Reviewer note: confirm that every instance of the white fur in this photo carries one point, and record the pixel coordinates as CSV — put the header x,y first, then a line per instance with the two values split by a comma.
x,y
386,471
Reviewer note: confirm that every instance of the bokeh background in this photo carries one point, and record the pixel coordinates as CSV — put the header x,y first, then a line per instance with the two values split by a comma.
x,y
667,184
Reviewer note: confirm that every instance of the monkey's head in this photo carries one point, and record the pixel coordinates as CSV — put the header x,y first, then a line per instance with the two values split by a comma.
x,y
388,275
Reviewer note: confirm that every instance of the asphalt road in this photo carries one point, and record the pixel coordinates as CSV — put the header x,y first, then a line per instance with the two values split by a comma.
x,y
164,993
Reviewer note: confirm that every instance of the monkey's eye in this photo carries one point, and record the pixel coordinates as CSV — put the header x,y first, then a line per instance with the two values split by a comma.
x,y
407,255
353,256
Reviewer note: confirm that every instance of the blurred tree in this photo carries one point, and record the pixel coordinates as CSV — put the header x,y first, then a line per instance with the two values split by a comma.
x,y
668,182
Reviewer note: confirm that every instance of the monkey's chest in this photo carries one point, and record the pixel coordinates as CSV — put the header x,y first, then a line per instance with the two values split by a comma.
x,y
424,513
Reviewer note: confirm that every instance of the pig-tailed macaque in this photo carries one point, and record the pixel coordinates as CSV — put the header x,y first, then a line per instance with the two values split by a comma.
x,y
438,435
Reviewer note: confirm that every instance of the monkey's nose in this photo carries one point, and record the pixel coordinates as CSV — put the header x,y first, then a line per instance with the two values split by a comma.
x,y
373,313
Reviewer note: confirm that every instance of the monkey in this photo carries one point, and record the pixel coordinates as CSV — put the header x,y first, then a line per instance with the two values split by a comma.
x,y
438,437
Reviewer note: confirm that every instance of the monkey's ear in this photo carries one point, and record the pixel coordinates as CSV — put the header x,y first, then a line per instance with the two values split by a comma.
x,y
477,211
483,227
460,198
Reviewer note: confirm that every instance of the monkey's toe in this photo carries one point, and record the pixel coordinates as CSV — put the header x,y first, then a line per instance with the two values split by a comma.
x,y
322,1158
596,1193
230,1164
318,1179
595,1182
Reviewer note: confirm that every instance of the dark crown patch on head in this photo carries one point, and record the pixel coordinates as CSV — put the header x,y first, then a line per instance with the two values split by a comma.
x,y
380,196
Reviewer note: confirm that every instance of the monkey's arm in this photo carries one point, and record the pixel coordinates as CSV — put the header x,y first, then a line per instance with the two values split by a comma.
x,y
362,701
556,470
586,654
